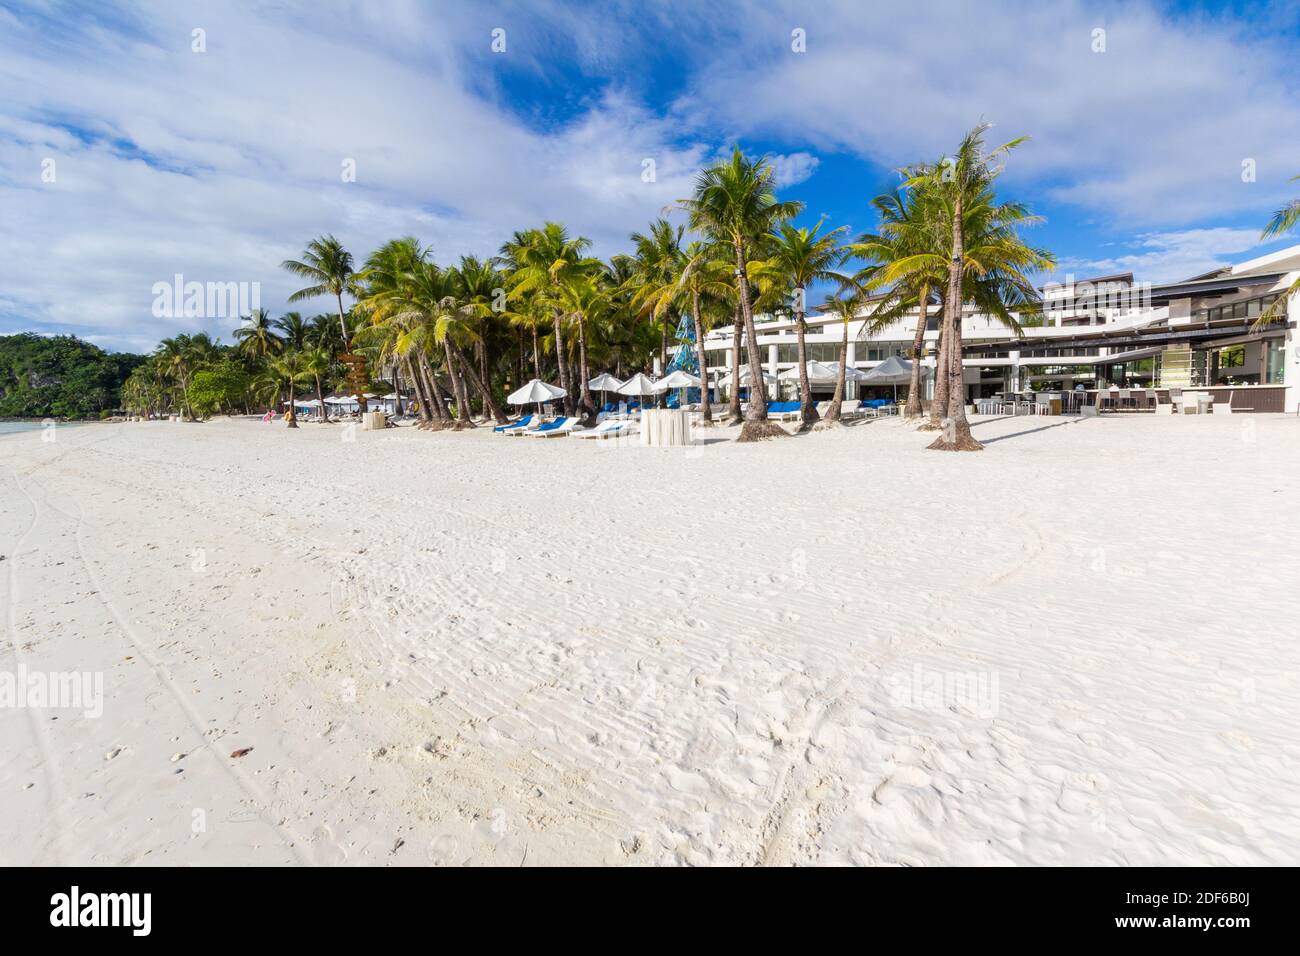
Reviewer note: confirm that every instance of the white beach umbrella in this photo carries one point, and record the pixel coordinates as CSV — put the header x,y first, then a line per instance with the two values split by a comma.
x,y
851,374
604,382
677,379
768,377
535,391
638,386
817,372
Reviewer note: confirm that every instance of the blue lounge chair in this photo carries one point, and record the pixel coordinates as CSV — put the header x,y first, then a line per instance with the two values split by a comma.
x,y
555,429
522,423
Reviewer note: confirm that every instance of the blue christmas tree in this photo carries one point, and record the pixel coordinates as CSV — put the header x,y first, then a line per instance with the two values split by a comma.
x,y
685,359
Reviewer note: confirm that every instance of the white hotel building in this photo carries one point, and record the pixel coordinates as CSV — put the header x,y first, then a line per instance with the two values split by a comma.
x,y
1094,333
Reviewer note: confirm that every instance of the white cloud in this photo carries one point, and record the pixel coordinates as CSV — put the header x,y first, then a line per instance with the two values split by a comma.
x,y
793,168
1152,131
1170,256
219,165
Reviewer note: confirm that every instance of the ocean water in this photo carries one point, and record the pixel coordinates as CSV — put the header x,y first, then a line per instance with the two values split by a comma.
x,y
8,427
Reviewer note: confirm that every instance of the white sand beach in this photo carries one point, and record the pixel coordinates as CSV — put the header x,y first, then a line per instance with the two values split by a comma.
x,y
1078,646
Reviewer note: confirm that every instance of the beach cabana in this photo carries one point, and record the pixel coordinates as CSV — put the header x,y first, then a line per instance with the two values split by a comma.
x,y
892,371
535,391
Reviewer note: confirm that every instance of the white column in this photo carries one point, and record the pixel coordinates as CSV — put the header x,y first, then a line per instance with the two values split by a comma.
x,y
771,367
1291,354
850,358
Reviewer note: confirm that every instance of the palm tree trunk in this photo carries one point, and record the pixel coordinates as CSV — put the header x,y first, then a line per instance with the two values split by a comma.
x,y
913,407
537,356
397,390
422,400
293,414
585,404
706,411
359,376
733,406
663,345
756,427
939,404
562,361
457,386
434,389
956,435
807,411
837,400
489,403
320,397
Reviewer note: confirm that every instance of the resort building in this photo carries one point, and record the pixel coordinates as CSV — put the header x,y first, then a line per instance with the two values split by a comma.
x,y
1093,333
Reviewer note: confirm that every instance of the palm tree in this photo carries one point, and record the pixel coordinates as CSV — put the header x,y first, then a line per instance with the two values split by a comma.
x,y
704,281
328,266
541,261
734,202
657,264
585,299
318,363
256,338
293,368
846,306
796,258
180,356
295,333
986,248
910,224
1283,221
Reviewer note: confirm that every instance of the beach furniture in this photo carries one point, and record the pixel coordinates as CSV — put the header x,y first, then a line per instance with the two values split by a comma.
x,y
555,429
607,429
524,422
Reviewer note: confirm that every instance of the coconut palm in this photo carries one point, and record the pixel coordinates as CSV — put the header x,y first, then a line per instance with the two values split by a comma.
x,y
541,260
845,306
986,249
328,266
294,332
657,263
179,357
1283,222
293,369
910,224
734,202
319,363
256,338
796,258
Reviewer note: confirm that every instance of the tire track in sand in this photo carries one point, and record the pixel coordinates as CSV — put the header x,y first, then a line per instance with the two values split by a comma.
x,y
160,672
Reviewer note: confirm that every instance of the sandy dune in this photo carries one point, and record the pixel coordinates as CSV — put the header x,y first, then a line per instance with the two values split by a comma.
x,y
1077,647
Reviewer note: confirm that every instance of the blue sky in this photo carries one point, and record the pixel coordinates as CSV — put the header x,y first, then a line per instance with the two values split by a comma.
x,y
219,164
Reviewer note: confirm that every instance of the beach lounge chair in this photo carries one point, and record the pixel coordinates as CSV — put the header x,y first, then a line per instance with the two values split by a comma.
x,y
524,422
555,429
607,429
851,409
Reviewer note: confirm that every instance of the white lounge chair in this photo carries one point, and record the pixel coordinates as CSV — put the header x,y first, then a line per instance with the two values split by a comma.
x,y
608,429
555,429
